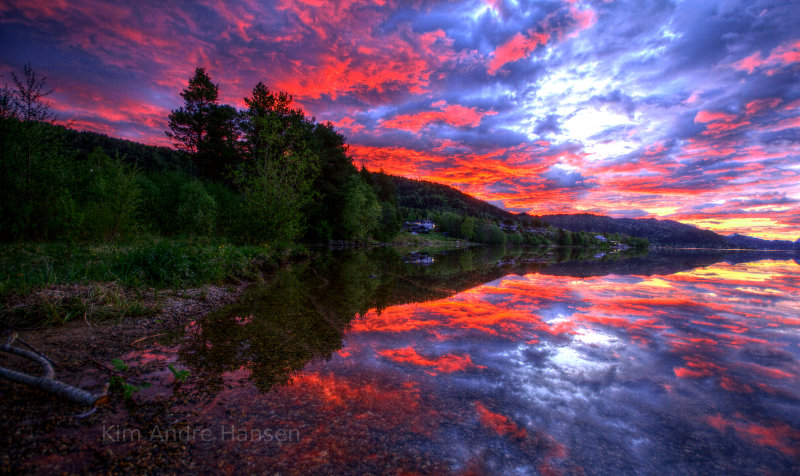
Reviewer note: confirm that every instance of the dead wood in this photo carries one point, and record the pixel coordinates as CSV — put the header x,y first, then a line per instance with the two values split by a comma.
x,y
47,381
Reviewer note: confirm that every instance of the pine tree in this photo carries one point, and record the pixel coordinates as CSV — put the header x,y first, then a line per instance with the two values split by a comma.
x,y
189,124
206,130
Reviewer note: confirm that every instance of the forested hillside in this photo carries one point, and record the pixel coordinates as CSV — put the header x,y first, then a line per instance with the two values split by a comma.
x,y
423,195
748,242
146,158
658,232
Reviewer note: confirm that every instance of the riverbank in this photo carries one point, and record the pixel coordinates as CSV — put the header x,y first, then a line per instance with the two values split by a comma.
x,y
45,284
101,325
44,434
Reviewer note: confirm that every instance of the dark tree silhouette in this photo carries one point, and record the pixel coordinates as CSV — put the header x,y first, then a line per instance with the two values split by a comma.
x,y
268,117
208,131
29,104
189,124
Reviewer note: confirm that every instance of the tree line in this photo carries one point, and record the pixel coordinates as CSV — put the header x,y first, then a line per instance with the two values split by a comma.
x,y
265,174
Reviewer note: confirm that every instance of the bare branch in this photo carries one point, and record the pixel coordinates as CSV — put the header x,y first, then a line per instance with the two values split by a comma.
x,y
30,94
47,382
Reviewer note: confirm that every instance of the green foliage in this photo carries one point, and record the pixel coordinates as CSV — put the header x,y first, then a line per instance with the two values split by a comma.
x,y
659,232
179,375
336,170
468,228
275,193
158,264
423,195
269,174
389,223
564,237
277,178
189,124
119,365
35,170
209,132
112,197
490,233
197,209
230,206
147,158
515,238
449,223
362,213
118,383
175,264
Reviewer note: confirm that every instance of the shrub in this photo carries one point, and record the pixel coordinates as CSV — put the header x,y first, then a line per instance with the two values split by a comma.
x,y
197,209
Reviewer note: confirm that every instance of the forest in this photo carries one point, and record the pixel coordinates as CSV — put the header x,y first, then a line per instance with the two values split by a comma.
x,y
239,193
266,174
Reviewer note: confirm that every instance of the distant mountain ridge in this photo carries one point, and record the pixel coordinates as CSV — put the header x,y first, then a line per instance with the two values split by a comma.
x,y
749,242
664,232
658,232
424,195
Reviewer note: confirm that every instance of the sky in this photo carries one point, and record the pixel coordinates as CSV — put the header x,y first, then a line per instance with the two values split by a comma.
x,y
684,110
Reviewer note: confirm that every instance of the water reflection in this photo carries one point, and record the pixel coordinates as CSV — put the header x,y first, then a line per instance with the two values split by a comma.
x,y
490,361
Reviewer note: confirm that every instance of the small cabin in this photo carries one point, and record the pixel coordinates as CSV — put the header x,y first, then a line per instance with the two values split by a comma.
x,y
419,226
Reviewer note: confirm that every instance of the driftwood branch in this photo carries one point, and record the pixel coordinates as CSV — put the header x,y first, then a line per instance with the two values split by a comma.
x,y
47,381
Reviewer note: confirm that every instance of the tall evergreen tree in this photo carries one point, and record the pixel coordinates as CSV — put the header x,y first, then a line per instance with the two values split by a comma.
x,y
206,130
267,121
281,164
189,124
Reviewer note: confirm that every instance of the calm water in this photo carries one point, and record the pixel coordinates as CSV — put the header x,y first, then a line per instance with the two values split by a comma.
x,y
494,362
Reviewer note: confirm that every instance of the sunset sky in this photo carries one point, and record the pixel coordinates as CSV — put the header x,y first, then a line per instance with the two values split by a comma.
x,y
687,110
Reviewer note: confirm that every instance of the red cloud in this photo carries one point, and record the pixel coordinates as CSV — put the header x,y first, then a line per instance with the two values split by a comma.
x,y
719,123
780,436
711,116
519,46
784,55
754,107
350,124
454,114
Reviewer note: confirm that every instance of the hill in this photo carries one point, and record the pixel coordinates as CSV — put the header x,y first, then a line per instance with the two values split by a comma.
x,y
424,195
658,232
146,157
748,242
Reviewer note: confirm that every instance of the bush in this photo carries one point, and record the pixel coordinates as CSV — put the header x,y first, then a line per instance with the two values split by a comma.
x,y
490,233
158,206
197,210
362,213
113,198
230,206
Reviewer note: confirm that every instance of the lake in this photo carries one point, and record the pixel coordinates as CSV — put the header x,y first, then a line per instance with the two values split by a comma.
x,y
506,362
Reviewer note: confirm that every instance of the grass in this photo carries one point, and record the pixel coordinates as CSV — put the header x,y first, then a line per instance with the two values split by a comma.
x,y
59,305
58,284
158,264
